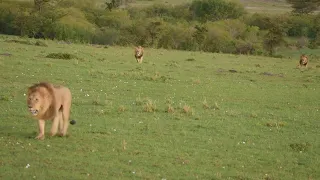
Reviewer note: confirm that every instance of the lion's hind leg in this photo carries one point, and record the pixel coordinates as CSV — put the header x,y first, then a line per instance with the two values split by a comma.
x,y
61,124
56,122
65,120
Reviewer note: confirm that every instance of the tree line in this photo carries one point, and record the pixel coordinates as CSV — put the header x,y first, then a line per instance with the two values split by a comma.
x,y
206,25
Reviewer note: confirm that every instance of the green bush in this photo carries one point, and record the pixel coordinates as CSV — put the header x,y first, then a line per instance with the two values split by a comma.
x,y
75,27
7,18
168,13
107,36
114,19
299,25
259,20
213,10
177,36
61,56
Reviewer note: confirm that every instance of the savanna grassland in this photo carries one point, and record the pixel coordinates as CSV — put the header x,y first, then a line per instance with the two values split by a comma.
x,y
178,115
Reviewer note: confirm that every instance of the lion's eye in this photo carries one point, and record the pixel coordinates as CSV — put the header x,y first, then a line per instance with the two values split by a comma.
x,y
37,99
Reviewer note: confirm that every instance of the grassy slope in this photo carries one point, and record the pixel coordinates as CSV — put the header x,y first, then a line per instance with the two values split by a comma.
x,y
248,137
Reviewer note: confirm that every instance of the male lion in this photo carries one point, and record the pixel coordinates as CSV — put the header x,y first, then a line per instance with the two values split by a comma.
x,y
303,60
138,54
48,102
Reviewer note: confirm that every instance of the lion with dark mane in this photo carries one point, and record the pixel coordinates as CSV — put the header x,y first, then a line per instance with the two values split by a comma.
x,y
303,60
48,102
138,54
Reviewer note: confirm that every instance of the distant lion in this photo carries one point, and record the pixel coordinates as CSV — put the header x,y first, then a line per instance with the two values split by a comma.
x,y
48,102
303,60
138,54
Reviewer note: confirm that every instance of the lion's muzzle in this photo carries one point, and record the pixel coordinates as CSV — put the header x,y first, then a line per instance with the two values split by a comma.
x,y
33,111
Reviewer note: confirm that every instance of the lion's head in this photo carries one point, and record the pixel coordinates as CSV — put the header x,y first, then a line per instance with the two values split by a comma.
x,y
139,51
38,97
303,60
34,102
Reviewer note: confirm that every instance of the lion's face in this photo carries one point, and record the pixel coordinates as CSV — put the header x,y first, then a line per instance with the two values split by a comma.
x,y
34,103
304,60
139,51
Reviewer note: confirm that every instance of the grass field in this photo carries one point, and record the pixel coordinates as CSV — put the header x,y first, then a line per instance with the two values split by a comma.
x,y
178,115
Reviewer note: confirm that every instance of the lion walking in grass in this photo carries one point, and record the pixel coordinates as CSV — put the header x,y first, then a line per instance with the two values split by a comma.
x,y
303,61
138,54
49,102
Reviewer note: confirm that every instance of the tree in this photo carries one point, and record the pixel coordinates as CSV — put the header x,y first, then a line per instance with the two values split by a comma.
x,y
112,4
153,30
213,10
38,4
304,6
275,35
199,35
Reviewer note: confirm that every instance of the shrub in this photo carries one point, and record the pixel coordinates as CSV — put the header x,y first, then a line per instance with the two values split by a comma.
x,y
168,13
61,56
178,36
74,26
114,19
259,20
107,36
218,40
213,10
299,25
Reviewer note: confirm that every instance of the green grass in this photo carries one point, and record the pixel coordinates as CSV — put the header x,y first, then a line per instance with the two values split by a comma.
x,y
260,121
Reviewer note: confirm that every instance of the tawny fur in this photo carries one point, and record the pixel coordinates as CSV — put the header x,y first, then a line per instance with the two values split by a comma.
x,y
138,54
303,60
48,102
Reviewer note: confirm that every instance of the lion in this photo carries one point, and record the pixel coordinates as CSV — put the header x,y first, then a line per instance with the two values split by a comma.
x,y
138,54
49,102
303,60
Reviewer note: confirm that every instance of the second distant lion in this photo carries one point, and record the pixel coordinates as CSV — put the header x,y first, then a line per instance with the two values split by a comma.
x,y
138,54
303,60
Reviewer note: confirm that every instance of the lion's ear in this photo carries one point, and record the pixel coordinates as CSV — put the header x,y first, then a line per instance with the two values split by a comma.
x,y
29,90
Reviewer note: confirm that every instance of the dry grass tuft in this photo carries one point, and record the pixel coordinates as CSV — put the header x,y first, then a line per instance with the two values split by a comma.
x,y
49,64
187,110
170,109
149,106
275,124
139,101
155,76
124,145
253,115
121,108
216,106
205,104
196,81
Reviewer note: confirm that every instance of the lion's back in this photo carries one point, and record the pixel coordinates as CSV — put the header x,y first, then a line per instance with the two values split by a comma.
x,y
63,94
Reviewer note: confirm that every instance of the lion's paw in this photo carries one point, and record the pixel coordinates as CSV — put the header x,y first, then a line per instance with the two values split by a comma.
x,y
40,137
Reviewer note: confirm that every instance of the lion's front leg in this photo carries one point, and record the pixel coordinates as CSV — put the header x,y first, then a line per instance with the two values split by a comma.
x,y
41,124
